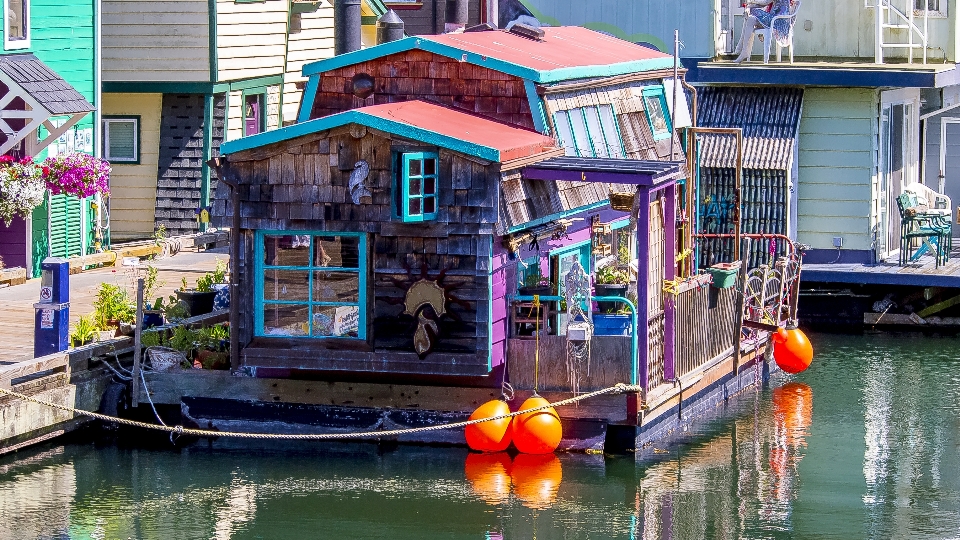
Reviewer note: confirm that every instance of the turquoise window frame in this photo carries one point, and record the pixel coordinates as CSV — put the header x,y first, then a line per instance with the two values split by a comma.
x,y
562,120
404,179
260,270
583,247
658,92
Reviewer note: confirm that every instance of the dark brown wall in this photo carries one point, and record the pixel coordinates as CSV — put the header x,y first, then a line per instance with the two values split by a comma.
x,y
302,185
433,78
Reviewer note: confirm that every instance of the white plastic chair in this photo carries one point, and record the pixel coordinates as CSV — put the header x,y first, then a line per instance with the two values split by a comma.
x,y
767,34
936,203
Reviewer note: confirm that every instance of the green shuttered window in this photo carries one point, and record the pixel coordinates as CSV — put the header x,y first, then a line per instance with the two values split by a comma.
x,y
121,139
417,186
310,285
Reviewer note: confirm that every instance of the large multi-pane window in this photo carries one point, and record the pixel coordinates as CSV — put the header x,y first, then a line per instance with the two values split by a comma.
x,y
311,284
589,132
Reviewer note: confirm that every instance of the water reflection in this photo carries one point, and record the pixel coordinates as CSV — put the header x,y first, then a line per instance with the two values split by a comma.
x,y
872,462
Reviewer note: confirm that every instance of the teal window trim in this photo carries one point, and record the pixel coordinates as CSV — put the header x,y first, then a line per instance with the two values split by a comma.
x,y
260,270
135,118
258,91
406,181
658,92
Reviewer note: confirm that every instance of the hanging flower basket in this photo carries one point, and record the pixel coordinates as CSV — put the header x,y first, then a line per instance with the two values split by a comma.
x,y
77,174
21,188
621,201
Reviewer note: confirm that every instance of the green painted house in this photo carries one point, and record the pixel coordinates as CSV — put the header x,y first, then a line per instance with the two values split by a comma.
x,y
49,74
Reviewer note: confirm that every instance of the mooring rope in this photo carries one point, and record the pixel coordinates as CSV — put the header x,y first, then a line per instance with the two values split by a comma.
x,y
619,388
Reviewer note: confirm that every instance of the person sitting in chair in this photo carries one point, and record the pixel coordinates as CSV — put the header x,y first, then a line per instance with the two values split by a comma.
x,y
761,16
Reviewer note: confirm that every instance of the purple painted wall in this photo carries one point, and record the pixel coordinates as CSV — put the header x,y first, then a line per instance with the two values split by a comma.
x,y
13,243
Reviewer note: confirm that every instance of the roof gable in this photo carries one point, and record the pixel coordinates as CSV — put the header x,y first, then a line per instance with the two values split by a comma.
x,y
566,52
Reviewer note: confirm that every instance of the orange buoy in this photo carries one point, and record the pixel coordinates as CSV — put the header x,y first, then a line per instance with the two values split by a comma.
x,y
537,432
492,436
536,479
793,412
489,476
791,349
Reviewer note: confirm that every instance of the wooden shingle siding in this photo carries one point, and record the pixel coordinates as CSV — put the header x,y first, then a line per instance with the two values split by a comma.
x,y
156,41
180,162
313,42
837,167
422,75
133,187
251,38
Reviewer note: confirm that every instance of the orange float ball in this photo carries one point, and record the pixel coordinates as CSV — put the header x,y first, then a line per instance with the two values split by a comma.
x,y
536,479
537,432
792,350
489,476
492,436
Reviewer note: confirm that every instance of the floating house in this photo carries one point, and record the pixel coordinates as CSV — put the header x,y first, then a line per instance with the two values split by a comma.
x,y
388,235
49,87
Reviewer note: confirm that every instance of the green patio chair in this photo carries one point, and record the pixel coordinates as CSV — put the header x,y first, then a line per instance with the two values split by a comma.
x,y
933,231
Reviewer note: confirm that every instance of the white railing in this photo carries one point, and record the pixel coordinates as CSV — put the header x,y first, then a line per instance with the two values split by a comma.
x,y
900,15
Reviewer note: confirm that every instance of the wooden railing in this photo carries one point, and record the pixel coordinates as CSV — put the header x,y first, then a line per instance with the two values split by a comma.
x,y
706,326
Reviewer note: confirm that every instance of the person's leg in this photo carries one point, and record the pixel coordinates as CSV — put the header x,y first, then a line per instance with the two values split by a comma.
x,y
746,38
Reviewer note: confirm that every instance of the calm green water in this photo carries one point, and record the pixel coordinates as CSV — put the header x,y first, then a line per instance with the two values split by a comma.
x,y
863,445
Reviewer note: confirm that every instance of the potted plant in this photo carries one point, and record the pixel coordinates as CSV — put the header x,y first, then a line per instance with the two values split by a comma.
x,y
84,332
611,280
112,307
21,188
534,282
77,174
213,347
199,300
152,313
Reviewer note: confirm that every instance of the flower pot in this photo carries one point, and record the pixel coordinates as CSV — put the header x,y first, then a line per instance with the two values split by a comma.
x,y
611,289
198,303
221,300
611,325
724,275
80,342
213,359
152,318
540,290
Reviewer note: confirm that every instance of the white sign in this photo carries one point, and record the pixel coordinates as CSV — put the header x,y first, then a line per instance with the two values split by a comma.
x,y
73,140
46,294
46,318
346,321
131,261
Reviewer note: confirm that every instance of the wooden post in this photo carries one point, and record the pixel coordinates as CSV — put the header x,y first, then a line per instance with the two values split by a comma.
x,y
669,273
643,287
135,397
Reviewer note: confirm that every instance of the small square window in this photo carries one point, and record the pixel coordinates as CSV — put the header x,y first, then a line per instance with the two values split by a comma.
x,y
416,187
121,139
16,24
655,104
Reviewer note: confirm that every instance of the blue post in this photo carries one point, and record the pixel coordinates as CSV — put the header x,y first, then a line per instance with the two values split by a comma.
x,y
51,332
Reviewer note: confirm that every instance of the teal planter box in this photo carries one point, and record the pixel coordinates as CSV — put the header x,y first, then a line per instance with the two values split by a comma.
x,y
724,275
611,325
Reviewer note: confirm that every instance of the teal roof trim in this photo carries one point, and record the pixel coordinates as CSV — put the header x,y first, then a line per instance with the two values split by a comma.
x,y
530,74
357,117
536,107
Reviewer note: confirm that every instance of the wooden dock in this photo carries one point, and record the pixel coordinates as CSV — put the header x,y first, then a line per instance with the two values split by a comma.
x,y
922,273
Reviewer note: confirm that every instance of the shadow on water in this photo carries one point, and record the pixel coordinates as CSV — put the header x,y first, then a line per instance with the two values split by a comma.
x,y
863,445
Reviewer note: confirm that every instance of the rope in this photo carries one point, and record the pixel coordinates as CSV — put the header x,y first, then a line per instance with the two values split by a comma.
x,y
536,332
619,388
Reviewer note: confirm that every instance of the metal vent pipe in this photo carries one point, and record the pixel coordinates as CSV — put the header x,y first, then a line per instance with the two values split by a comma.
x,y
389,27
457,14
346,26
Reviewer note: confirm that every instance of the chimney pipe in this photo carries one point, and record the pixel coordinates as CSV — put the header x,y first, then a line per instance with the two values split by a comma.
x,y
457,14
389,27
346,23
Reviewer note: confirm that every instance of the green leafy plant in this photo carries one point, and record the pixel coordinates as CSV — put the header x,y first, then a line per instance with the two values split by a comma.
x,y
153,338
160,234
206,282
174,310
112,305
151,282
84,331
534,277
612,275
184,340
213,337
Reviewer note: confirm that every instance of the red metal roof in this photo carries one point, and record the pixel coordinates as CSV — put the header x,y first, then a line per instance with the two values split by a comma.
x,y
511,142
562,47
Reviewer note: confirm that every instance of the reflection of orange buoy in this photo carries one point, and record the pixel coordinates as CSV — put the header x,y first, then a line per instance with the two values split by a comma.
x,y
793,411
537,432
792,349
489,476
536,479
492,436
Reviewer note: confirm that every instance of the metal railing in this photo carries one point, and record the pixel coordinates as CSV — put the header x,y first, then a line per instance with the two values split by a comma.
x,y
890,16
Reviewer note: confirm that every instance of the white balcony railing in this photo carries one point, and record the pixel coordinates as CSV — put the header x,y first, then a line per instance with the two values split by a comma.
x,y
895,16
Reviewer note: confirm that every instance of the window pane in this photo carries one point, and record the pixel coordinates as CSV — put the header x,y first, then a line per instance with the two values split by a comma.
x,y
414,187
563,132
122,135
286,250
16,20
336,287
342,321
337,251
658,121
285,320
414,168
429,205
608,123
430,166
429,186
580,138
413,207
596,133
286,285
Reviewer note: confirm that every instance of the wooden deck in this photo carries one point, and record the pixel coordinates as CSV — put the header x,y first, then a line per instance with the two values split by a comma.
x,y
17,313
922,273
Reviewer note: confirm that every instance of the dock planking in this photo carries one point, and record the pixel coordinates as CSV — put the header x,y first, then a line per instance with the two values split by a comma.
x,y
922,273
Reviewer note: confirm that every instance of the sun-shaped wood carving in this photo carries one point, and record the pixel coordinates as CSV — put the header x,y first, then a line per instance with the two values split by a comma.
x,y
426,301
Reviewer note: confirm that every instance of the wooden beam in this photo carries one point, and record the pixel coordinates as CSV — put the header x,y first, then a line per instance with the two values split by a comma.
x,y
13,276
30,367
938,307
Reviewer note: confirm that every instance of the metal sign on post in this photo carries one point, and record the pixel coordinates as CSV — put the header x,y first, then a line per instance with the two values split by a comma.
x,y
51,332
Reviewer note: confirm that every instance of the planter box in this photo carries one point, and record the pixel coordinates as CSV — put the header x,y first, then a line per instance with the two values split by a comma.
x,y
611,325
616,289
544,290
724,275
198,303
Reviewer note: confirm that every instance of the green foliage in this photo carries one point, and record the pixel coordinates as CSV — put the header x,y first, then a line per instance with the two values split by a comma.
x,y
206,282
174,310
623,246
153,338
183,340
84,331
160,234
534,276
612,275
112,304
151,283
213,337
